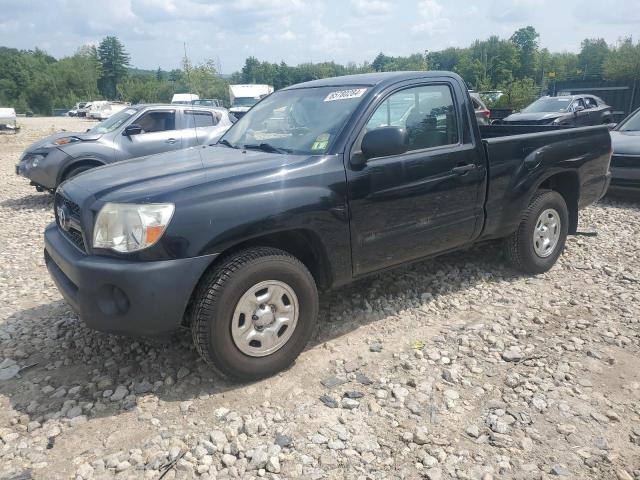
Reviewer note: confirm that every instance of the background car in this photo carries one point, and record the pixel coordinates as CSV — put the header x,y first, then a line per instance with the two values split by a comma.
x,y
571,110
482,111
625,162
207,102
133,132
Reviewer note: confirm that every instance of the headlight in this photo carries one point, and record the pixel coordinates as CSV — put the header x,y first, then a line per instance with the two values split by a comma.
x,y
555,121
125,227
31,160
66,140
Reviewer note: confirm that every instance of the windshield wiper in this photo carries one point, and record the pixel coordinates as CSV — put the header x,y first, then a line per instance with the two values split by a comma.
x,y
226,142
266,147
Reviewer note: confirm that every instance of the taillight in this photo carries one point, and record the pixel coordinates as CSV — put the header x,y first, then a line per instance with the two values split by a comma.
x,y
486,112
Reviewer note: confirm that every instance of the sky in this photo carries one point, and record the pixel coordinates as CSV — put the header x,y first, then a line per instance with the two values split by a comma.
x,y
298,31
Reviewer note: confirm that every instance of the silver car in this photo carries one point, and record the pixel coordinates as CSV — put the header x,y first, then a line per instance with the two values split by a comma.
x,y
133,132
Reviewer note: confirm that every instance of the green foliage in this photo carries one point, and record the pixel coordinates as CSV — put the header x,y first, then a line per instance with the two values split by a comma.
x,y
114,61
624,61
526,41
518,93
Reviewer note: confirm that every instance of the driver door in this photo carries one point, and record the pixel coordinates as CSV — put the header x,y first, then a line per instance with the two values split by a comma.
x,y
159,134
580,114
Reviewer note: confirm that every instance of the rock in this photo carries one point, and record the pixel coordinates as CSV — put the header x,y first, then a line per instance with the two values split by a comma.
x,y
333,382
142,387
473,431
9,372
376,348
349,403
513,354
421,436
329,401
283,440
400,393
228,460
622,474
352,366
119,394
353,395
363,379
560,471
182,373
79,420
273,464
85,471
259,459
434,473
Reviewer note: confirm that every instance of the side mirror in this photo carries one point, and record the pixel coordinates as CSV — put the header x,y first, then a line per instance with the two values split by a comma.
x,y
132,129
578,108
612,125
385,141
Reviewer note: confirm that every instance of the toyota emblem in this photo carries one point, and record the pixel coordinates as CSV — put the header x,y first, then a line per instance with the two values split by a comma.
x,y
62,219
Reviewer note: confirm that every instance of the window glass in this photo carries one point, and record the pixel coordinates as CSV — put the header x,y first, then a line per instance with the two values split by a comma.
x,y
157,121
427,113
590,102
199,119
578,103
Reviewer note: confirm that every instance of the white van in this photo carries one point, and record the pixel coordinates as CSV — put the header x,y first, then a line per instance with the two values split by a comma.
x,y
184,98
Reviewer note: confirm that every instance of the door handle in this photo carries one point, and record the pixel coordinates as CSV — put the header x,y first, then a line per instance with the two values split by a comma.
x,y
463,169
171,140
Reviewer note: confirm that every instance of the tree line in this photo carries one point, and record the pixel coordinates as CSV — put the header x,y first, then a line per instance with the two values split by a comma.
x,y
34,80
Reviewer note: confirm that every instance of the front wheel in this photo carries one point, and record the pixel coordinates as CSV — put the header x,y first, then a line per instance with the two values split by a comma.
x,y
540,238
253,314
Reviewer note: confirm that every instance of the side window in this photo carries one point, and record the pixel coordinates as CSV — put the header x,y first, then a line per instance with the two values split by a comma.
x,y
590,102
158,121
198,119
427,113
578,103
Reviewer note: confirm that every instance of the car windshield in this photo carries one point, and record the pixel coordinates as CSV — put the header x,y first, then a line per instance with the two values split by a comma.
x,y
300,121
553,104
631,124
245,101
114,121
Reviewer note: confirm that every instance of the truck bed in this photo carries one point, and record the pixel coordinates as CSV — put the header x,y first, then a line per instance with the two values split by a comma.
x,y
519,158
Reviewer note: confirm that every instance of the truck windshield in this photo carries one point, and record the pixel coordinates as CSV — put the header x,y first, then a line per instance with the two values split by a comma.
x,y
556,104
114,121
300,121
631,124
245,101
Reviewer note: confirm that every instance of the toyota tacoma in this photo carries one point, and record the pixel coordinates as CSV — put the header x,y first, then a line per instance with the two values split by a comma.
x,y
319,184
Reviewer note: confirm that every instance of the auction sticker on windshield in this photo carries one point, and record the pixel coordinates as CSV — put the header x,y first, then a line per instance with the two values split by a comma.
x,y
345,94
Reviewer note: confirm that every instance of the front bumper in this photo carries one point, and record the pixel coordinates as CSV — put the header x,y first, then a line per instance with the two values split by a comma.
x,y
45,174
122,296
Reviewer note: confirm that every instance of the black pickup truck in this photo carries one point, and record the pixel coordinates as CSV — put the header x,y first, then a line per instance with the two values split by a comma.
x,y
319,184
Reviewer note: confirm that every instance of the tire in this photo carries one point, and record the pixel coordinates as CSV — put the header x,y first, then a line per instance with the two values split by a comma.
x,y
219,297
77,171
521,249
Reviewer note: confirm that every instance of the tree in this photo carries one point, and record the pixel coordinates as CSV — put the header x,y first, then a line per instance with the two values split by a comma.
x,y
623,62
114,61
526,41
593,53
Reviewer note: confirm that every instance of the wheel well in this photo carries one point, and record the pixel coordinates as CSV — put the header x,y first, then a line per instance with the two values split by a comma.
x,y
302,244
567,185
79,163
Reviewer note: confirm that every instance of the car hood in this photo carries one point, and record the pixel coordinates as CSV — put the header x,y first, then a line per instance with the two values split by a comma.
x,y
156,178
625,143
47,142
530,117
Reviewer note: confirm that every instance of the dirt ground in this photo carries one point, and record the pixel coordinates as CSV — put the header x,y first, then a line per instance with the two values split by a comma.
x,y
452,368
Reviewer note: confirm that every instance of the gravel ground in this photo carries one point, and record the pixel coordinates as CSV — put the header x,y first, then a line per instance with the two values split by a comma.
x,y
453,368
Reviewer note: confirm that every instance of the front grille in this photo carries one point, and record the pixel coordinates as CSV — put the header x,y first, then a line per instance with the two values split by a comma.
x,y
622,161
72,229
528,122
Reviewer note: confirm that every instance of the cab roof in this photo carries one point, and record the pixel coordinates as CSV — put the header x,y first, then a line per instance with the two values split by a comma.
x,y
372,79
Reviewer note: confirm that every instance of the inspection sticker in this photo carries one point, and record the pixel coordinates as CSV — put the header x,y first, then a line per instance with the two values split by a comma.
x,y
321,142
345,94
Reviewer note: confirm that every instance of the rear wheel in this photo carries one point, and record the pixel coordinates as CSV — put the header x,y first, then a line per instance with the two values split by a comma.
x,y
540,238
254,313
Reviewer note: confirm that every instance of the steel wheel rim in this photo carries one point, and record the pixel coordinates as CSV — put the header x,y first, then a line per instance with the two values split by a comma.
x,y
264,319
546,233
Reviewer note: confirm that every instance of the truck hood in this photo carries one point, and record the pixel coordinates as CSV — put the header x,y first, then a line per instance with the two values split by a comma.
x,y
156,177
625,143
47,142
533,117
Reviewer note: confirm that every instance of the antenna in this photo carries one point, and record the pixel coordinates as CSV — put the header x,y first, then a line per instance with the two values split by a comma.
x,y
187,68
